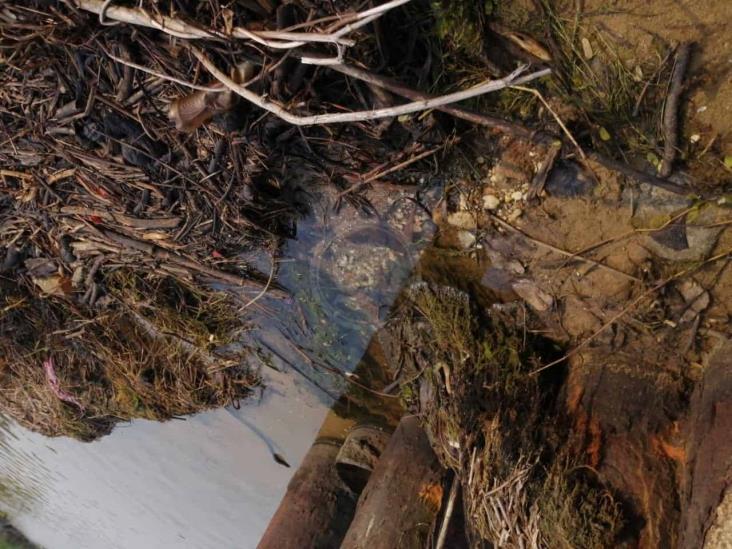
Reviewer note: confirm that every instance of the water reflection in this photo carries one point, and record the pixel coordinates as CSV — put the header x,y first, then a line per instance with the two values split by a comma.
x,y
212,480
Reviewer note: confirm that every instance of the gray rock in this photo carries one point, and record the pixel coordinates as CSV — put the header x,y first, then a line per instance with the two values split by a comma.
x,y
686,240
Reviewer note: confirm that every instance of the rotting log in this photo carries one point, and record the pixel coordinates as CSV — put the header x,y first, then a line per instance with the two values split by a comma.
x,y
359,455
400,503
317,508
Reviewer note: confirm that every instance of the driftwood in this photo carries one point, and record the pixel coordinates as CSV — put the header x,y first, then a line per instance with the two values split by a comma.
x,y
317,507
403,496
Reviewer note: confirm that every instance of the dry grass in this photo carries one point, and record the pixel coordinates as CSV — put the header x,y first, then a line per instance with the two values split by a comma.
x,y
499,428
151,358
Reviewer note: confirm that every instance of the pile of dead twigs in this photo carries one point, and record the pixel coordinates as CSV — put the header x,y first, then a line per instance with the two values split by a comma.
x,y
145,148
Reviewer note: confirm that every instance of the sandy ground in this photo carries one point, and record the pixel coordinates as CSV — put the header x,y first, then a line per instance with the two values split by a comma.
x,y
639,26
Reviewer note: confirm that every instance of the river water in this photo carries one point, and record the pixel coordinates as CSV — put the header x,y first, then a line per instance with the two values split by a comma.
x,y
210,480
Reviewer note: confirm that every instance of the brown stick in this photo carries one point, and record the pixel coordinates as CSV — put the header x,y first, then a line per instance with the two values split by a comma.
x,y
671,111
638,175
134,222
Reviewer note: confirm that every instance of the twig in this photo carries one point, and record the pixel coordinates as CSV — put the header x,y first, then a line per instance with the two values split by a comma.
x,y
671,110
638,175
135,16
539,180
273,39
634,232
393,86
448,513
630,307
264,290
214,89
566,131
388,171
361,116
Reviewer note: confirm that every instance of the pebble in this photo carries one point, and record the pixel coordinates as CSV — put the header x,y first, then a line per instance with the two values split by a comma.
x,y
517,195
491,202
514,215
466,239
462,220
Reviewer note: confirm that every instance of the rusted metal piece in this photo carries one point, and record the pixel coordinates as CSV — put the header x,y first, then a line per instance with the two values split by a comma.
x,y
317,507
359,454
400,503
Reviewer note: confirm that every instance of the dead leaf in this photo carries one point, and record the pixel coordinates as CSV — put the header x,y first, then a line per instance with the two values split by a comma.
x,y
54,285
197,108
523,41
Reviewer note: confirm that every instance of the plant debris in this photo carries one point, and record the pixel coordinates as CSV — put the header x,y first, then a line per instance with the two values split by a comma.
x,y
487,420
137,171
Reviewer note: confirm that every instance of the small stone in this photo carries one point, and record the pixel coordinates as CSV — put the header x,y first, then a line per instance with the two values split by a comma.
x,y
496,177
466,239
463,220
537,298
491,202
695,138
587,49
517,195
514,215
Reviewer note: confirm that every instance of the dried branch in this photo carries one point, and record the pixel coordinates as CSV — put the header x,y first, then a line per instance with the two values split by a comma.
x,y
273,39
505,126
671,110
336,118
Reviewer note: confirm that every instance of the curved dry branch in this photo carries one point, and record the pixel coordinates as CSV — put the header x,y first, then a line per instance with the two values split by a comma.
x,y
360,116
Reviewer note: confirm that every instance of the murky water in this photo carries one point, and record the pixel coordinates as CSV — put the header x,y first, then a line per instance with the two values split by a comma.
x,y
211,480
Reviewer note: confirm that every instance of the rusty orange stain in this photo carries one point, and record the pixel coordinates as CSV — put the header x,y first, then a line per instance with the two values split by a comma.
x,y
676,453
432,495
595,445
